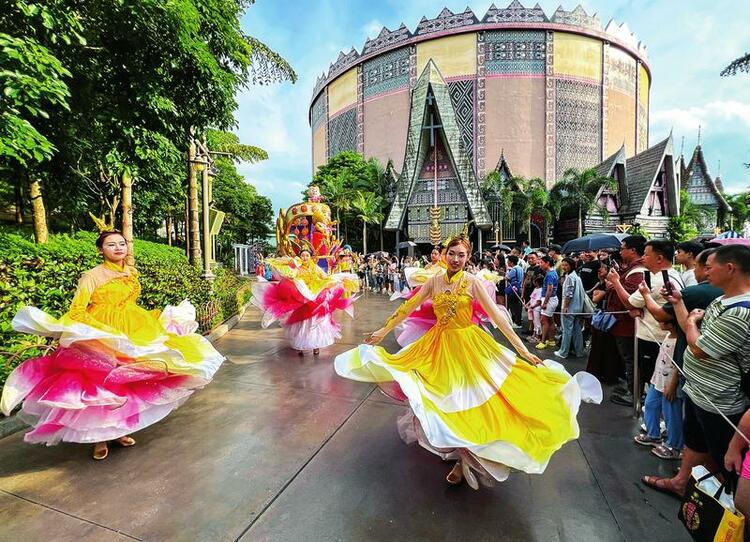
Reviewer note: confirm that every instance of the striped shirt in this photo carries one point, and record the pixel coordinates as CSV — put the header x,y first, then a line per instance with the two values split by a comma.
x,y
725,338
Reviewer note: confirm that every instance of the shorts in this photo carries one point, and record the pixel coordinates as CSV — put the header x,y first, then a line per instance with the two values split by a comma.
x,y
707,432
551,307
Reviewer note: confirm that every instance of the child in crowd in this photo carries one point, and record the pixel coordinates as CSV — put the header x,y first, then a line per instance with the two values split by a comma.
x,y
662,400
535,309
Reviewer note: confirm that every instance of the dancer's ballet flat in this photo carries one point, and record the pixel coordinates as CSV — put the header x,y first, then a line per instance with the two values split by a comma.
x,y
456,475
300,353
316,352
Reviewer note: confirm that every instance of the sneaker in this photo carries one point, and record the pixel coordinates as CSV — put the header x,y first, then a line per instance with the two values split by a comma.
x,y
645,440
533,339
620,390
662,451
558,354
626,399
515,326
541,346
552,343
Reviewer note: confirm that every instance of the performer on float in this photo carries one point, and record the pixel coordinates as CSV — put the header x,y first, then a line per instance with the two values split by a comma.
x,y
118,367
473,400
304,301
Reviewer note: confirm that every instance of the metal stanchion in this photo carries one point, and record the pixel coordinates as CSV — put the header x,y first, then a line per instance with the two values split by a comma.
x,y
636,372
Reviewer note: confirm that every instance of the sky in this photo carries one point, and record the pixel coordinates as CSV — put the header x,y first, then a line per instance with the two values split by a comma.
x,y
688,43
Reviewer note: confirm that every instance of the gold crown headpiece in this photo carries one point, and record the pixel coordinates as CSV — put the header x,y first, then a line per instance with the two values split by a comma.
x,y
101,223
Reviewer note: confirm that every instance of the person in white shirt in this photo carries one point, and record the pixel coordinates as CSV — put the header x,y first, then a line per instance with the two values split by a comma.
x,y
657,257
685,256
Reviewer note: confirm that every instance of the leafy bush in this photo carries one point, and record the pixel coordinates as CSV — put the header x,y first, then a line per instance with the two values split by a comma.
x,y
45,276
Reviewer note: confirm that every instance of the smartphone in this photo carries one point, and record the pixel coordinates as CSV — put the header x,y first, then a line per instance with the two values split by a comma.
x,y
666,281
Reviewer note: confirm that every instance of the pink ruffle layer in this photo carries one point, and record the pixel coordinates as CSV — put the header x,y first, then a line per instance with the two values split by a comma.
x,y
79,394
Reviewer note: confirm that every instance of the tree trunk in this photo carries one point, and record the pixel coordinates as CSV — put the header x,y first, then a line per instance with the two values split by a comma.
x,y
126,187
381,237
338,224
168,227
19,202
40,215
195,241
185,232
580,223
364,238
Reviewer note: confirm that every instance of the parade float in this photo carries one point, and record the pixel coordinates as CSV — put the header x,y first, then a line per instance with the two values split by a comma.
x,y
308,225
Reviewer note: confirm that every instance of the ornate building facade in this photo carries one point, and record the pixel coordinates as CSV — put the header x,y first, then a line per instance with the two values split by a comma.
x,y
546,92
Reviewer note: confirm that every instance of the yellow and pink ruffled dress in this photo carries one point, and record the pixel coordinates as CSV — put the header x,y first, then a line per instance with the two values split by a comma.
x,y
304,299
118,367
470,397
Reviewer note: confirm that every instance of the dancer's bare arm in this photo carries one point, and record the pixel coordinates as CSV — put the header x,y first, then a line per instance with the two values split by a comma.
x,y
501,322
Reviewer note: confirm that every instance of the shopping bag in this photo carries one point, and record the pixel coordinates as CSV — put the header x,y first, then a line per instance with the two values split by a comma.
x,y
588,306
707,510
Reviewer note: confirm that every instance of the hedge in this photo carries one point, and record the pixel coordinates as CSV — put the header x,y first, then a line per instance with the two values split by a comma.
x,y
45,276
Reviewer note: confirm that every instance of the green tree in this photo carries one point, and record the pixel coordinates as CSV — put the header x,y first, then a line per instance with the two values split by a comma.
x,y
343,176
689,223
578,189
740,213
741,64
531,197
144,78
367,207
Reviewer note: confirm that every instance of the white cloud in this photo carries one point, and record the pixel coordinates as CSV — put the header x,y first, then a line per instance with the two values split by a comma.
x,y
717,116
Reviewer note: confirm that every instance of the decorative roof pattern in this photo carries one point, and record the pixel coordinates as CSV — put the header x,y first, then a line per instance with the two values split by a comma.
x,y
415,152
343,62
641,171
577,17
386,38
515,13
447,21
699,183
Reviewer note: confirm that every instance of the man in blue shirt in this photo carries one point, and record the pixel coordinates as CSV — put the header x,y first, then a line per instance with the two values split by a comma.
x,y
513,284
549,302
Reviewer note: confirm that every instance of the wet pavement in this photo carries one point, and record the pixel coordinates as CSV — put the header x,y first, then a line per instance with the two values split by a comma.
x,y
280,448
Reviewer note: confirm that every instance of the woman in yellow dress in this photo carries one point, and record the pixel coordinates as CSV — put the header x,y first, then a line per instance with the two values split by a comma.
x,y
303,298
473,400
118,367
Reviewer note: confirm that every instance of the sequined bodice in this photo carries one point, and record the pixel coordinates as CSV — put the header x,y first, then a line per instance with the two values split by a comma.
x,y
453,305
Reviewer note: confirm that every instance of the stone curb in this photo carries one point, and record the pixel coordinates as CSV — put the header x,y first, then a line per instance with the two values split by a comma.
x,y
12,424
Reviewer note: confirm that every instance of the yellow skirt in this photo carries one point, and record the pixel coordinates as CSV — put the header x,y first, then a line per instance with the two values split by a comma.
x,y
469,393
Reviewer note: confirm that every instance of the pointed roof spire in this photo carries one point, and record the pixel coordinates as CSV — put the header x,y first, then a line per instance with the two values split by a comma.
x,y
699,135
682,146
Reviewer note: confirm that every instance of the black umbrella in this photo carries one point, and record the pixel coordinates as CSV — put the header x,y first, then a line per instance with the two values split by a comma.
x,y
406,244
594,241
500,247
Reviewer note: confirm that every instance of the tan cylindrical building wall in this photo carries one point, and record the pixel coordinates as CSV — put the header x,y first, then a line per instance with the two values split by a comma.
x,y
549,94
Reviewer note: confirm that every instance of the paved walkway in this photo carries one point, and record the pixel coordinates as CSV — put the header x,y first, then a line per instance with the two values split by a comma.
x,y
279,448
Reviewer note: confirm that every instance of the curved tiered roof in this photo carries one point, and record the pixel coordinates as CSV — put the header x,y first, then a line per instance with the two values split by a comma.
x,y
514,16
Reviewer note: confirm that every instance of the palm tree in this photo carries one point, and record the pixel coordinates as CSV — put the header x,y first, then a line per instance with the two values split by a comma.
x,y
740,210
579,189
336,192
368,207
741,64
495,187
531,196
